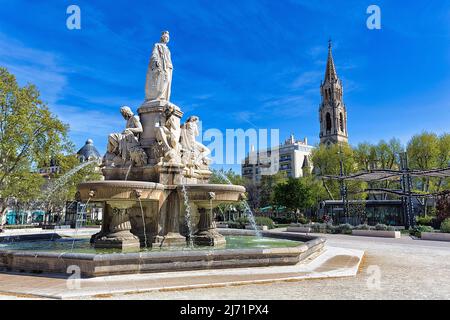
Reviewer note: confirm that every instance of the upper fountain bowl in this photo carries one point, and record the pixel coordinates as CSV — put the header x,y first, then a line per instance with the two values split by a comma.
x,y
120,190
207,195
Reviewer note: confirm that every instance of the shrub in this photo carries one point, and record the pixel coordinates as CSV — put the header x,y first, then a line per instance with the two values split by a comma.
x,y
239,223
242,220
234,225
381,227
363,227
319,227
443,207
424,221
331,229
303,220
345,228
445,226
265,221
417,230
283,220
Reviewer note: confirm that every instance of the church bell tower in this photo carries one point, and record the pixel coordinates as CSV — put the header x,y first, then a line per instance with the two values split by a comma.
x,y
332,111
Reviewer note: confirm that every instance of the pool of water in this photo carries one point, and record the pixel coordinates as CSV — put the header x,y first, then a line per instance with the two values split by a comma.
x,y
83,246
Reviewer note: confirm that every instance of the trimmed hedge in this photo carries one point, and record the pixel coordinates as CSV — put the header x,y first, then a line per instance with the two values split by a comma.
x,y
445,226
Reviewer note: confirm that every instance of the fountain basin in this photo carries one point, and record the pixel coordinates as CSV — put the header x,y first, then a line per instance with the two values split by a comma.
x,y
209,196
203,198
147,214
94,265
120,190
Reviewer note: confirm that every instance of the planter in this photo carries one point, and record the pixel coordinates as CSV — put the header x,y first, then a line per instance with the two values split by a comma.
x,y
249,226
377,233
221,225
435,236
299,229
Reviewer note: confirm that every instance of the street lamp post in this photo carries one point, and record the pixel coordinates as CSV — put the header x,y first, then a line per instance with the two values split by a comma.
x,y
406,185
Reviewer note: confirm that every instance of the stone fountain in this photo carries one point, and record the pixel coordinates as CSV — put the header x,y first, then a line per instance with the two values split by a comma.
x,y
151,168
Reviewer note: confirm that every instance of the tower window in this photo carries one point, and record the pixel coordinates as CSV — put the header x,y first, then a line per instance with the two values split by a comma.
x,y
341,122
328,121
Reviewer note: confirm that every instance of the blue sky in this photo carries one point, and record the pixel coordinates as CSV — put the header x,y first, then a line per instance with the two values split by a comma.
x,y
238,64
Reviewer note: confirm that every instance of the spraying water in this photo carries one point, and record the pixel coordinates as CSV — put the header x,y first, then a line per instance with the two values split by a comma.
x,y
251,218
61,181
83,211
248,211
187,216
143,223
128,172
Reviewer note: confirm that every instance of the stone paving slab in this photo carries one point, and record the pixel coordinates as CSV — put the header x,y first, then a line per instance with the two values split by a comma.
x,y
332,262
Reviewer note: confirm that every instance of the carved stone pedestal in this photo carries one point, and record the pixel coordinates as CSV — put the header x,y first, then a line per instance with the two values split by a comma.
x,y
170,174
119,236
172,239
169,228
207,234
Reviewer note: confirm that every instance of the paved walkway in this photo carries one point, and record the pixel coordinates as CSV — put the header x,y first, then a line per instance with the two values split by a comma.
x,y
391,269
332,262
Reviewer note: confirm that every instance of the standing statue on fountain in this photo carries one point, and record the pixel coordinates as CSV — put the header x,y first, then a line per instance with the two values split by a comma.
x,y
159,73
124,148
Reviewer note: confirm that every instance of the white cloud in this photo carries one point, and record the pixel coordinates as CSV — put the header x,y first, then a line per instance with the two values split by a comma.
x,y
34,66
45,70
307,78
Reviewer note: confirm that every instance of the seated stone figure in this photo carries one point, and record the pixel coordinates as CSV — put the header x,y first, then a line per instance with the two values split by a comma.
x,y
194,153
124,147
167,137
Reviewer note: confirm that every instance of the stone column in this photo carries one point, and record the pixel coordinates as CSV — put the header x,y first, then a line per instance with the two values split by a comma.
x,y
207,234
170,211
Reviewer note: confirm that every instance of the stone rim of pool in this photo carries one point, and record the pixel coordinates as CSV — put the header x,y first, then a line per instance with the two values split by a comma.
x,y
97,264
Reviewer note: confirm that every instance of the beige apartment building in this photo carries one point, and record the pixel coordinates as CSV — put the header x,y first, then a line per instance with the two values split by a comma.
x,y
292,157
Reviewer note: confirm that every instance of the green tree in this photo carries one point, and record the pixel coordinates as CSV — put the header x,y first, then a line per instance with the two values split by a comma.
x,y
423,151
384,155
443,160
298,195
365,156
29,134
428,151
326,161
253,194
267,186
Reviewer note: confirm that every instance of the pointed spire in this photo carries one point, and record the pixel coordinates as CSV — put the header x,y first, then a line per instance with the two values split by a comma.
x,y
330,73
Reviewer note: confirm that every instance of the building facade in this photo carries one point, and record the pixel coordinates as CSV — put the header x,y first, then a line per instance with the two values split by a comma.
x,y
89,152
332,111
292,157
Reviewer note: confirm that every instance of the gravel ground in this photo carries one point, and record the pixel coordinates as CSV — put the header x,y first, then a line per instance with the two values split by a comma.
x,y
392,269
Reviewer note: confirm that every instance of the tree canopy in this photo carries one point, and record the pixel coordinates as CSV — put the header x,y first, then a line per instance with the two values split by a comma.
x,y
30,136
299,194
326,161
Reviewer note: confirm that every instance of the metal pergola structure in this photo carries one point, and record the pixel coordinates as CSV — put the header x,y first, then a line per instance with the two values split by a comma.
x,y
385,174
404,176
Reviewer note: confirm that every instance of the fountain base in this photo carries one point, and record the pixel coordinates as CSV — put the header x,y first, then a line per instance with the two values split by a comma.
x,y
209,238
123,240
171,239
